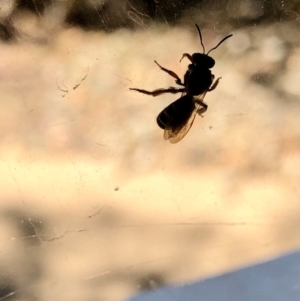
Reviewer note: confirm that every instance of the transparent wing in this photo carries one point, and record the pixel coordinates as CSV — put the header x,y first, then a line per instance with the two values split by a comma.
x,y
176,133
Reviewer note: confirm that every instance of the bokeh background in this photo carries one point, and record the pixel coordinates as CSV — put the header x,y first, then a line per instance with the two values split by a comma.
x,y
94,204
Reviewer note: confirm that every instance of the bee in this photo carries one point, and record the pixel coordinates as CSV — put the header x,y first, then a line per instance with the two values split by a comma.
x,y
177,118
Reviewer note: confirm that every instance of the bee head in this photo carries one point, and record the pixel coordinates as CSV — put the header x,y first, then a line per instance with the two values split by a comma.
x,y
203,60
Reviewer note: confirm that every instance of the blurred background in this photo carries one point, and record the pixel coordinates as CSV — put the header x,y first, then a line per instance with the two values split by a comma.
x,y
94,204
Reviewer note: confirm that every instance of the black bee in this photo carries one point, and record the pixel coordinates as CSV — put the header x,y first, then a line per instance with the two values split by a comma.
x,y
177,118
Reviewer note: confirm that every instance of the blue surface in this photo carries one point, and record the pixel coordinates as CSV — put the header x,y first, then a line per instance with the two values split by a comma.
x,y
275,280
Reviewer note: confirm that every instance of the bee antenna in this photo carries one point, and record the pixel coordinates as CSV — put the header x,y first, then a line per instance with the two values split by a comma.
x,y
219,43
200,38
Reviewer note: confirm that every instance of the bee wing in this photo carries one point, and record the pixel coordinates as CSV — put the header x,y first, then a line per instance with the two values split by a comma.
x,y
175,133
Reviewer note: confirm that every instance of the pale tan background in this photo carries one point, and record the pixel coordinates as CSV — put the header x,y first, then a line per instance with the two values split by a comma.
x,y
95,205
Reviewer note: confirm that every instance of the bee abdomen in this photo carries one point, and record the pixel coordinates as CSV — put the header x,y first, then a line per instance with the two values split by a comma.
x,y
162,120
176,112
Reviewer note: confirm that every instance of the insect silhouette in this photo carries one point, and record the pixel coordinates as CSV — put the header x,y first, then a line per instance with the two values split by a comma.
x,y
177,118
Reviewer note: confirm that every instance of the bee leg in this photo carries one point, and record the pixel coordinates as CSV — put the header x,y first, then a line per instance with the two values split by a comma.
x,y
159,91
202,110
170,72
215,84
188,56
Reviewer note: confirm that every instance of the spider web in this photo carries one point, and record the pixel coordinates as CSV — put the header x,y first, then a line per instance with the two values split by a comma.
x,y
94,203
